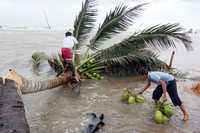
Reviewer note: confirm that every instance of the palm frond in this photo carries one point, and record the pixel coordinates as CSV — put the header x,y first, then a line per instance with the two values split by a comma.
x,y
131,64
56,63
38,58
85,21
122,59
161,36
147,52
123,50
135,59
116,21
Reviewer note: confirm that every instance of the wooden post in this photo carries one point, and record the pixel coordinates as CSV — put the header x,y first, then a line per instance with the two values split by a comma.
x,y
12,112
171,60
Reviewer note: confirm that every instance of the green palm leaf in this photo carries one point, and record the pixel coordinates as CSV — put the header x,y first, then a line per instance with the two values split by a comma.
x,y
133,50
122,49
85,21
38,58
147,52
132,63
161,36
143,57
56,62
115,22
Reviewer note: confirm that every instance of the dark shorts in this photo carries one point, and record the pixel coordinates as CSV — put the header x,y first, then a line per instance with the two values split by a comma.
x,y
172,91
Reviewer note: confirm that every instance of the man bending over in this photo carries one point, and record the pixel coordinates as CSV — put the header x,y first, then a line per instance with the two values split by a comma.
x,y
165,83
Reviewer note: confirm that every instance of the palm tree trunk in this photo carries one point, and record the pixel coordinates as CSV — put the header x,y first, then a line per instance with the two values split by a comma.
x,y
32,86
12,112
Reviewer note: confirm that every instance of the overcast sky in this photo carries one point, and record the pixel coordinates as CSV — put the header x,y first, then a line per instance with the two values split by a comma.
x,y
61,13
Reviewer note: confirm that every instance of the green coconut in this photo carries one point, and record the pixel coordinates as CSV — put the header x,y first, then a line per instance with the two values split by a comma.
x,y
102,77
158,106
95,74
92,61
158,117
131,100
89,76
84,66
164,119
125,95
168,110
139,99
98,76
88,65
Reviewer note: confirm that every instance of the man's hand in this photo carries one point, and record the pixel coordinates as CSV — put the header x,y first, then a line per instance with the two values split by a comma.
x,y
145,88
140,92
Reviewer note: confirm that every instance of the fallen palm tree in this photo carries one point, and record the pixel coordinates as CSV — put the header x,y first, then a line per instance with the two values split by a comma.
x,y
25,86
12,86
126,56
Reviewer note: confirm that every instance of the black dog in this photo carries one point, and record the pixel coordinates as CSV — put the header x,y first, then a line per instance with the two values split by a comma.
x,y
94,123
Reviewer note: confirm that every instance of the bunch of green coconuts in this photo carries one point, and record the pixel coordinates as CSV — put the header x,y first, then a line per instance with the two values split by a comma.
x,y
163,112
130,97
91,69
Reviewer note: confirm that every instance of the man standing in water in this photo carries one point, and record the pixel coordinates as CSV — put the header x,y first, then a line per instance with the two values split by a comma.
x,y
67,52
166,83
68,44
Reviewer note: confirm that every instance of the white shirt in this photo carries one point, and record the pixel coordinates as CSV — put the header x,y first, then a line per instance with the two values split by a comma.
x,y
69,42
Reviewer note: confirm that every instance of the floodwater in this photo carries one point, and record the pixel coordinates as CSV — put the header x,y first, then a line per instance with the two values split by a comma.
x,y
59,111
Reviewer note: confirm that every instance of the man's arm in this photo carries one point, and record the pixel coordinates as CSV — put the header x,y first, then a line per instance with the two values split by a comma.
x,y
164,87
146,87
75,40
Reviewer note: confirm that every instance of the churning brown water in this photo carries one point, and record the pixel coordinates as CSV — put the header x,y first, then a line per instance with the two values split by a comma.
x,y
58,111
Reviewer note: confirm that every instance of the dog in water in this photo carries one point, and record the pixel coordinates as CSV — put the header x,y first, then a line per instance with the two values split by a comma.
x,y
94,124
